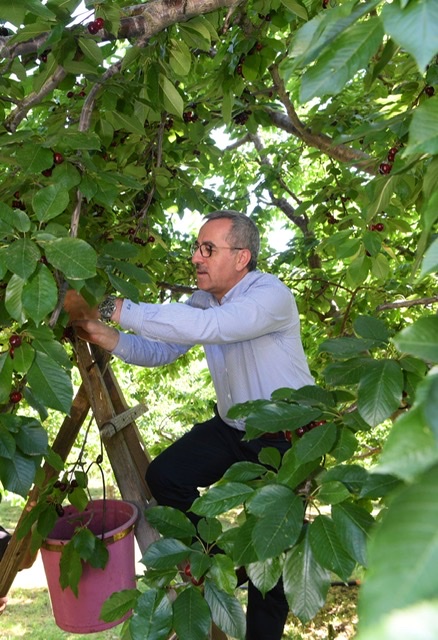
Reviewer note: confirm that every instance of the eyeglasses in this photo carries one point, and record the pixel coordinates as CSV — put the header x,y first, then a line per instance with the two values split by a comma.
x,y
206,249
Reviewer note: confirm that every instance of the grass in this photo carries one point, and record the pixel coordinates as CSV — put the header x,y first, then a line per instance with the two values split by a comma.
x,y
29,614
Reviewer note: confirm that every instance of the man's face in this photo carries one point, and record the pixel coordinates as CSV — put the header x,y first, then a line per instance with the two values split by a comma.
x,y
225,267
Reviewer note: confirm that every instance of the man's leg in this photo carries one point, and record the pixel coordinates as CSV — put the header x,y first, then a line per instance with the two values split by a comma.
x,y
198,459
266,616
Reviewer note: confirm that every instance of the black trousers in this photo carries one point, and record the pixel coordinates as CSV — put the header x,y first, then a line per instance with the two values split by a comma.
x,y
198,459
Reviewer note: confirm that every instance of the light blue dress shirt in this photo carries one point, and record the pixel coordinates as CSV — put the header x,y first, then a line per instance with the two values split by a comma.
x,y
251,339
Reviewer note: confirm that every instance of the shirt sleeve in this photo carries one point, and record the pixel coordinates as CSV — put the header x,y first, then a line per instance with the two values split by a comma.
x,y
261,309
147,353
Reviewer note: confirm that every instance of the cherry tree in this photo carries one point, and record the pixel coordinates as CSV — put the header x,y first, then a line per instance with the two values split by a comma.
x,y
318,118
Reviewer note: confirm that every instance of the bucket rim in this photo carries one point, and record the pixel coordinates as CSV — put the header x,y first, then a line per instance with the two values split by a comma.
x,y
51,543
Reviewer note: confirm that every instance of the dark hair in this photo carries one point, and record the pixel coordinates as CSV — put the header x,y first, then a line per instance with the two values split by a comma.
x,y
244,232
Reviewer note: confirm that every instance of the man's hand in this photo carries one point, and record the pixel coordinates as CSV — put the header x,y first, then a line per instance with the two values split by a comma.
x,y
85,320
97,332
77,307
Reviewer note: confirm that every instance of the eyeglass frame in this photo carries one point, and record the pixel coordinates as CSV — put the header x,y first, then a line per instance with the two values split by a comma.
x,y
209,247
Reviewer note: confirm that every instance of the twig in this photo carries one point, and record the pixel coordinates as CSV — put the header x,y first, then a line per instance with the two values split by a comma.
x,y
407,303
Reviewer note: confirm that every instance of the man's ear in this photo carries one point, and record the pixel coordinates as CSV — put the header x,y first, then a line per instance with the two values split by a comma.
x,y
243,259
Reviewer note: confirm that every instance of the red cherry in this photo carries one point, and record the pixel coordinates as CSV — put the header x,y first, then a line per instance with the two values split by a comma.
x,y
187,571
379,226
151,239
58,158
385,168
100,22
15,340
15,397
198,582
429,90
70,94
17,195
11,353
93,28
47,173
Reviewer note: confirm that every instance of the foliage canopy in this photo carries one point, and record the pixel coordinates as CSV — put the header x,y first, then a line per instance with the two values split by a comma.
x,y
317,117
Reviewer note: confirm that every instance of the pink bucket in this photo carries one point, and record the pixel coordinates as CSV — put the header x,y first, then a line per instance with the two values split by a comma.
x,y
116,519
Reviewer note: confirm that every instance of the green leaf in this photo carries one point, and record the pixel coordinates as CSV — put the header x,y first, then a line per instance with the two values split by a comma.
x,y
91,50
33,158
410,447
265,574
244,471
209,529
345,445
126,122
333,492
305,581
171,523
50,202
380,391
296,7
398,624
172,100
346,347
179,57
191,615
350,53
353,524
74,257
118,604
6,370
50,383
22,257
13,295
403,558
244,551
414,28
70,568
423,137
280,522
420,339
40,295
165,553
328,548
316,443
152,617
292,472
372,328
17,474
346,373
219,499
23,357
264,416
226,611
352,475
32,438
430,260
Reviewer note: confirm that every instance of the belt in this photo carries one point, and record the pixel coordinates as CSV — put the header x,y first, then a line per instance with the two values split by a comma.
x,y
277,435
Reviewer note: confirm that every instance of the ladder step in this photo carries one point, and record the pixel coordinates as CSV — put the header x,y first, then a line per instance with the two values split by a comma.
x,y
121,421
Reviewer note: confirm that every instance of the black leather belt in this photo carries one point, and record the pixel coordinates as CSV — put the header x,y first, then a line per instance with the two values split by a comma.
x,y
277,435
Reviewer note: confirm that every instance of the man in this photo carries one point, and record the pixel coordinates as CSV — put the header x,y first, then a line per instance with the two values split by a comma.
x,y
248,324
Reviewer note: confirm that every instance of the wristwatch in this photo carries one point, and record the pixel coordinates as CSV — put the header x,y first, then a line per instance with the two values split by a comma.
x,y
107,308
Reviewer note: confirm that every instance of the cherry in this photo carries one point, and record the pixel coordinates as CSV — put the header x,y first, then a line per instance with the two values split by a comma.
x,y
15,340
385,168
379,226
47,173
17,195
82,94
93,28
11,353
197,582
59,510
325,4
259,46
188,571
239,70
100,22
70,94
15,397
151,239
429,90
58,158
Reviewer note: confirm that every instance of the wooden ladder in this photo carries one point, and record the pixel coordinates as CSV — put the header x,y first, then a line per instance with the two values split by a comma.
x,y
128,457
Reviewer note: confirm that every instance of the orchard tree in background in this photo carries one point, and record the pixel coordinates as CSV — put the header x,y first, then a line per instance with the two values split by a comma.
x,y
318,117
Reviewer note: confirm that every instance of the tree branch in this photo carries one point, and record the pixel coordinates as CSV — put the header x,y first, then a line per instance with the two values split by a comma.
x,y
293,125
407,303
